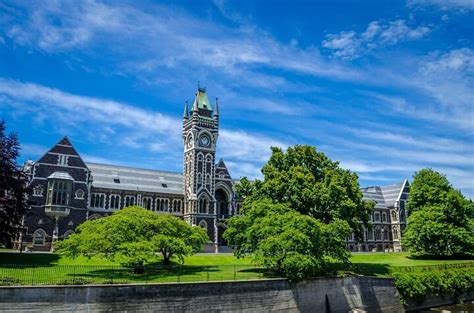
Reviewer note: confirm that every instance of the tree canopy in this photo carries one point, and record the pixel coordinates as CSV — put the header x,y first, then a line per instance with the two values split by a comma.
x,y
286,241
13,188
298,217
135,235
442,219
307,181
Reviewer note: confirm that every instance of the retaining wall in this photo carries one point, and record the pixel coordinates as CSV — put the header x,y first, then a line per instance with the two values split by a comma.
x,y
316,295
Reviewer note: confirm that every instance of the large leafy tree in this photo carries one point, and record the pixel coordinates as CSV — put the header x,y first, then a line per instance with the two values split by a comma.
x,y
13,188
308,182
136,236
442,219
298,217
286,241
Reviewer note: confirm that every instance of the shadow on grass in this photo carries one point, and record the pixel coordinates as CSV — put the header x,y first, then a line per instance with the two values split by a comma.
x,y
435,257
169,274
25,258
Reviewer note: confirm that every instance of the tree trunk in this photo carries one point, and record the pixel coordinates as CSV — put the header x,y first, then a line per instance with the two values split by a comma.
x,y
138,268
166,259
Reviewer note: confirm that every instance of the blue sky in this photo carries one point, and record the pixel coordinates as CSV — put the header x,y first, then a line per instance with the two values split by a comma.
x,y
385,87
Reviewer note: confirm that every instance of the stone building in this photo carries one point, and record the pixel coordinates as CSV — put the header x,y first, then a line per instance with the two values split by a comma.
x,y
388,219
68,191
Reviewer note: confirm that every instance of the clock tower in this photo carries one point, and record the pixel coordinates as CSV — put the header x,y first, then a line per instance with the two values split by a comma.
x,y
200,132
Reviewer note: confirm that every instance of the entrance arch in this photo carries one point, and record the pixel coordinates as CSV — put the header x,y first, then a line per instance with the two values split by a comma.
x,y
222,196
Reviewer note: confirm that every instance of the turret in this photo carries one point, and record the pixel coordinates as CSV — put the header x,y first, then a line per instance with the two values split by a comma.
x,y
216,111
186,113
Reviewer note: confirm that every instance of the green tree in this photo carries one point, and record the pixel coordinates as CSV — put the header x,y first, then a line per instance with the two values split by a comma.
x,y
310,183
442,219
136,236
13,188
428,188
286,241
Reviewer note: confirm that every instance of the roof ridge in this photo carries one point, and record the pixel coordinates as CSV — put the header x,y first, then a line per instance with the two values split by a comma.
x,y
135,168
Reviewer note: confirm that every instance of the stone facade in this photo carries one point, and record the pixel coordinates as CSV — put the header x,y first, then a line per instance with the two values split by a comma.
x,y
68,191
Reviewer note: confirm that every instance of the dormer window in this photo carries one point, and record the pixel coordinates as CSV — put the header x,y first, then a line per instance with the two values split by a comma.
x,y
117,180
164,185
62,159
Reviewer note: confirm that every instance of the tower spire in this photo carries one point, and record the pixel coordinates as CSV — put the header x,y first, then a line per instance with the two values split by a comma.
x,y
186,113
216,111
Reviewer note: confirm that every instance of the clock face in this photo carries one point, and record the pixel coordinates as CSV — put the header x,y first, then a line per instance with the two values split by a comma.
x,y
204,141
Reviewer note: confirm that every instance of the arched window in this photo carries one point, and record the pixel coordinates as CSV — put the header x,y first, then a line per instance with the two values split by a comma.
x,y
378,234
394,216
39,237
114,202
98,200
203,205
94,217
148,203
386,234
79,194
69,232
203,224
129,201
395,233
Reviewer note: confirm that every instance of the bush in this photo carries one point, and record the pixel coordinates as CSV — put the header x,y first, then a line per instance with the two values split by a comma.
x,y
417,285
9,281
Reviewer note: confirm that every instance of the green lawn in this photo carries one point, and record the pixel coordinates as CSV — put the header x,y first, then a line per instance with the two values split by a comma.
x,y
46,268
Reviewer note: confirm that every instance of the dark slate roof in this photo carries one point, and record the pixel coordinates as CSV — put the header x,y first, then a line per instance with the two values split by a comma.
x,y
384,196
133,179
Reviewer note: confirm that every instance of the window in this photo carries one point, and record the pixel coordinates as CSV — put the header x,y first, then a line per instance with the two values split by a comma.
x,y
177,205
203,205
378,234
370,234
148,203
39,237
62,159
376,216
395,233
386,234
394,216
38,191
114,202
68,233
384,217
164,185
59,192
221,175
117,180
79,194
97,201
129,201
203,224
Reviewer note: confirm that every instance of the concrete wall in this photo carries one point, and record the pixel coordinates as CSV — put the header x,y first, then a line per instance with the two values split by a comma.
x,y
316,295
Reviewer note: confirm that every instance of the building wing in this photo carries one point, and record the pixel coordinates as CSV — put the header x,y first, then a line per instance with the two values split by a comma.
x,y
135,179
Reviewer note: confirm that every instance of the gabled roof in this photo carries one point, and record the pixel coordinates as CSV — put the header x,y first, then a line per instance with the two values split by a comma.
x,y
384,196
135,179
221,167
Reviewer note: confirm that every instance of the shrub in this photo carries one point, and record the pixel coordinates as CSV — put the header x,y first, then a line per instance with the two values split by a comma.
x,y
417,285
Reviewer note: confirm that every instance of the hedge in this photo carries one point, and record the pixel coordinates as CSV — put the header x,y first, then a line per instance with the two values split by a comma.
x,y
417,285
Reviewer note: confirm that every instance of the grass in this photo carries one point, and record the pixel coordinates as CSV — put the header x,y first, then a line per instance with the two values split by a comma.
x,y
46,268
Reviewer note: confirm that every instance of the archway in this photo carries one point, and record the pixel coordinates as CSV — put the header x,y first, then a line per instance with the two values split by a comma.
x,y
222,202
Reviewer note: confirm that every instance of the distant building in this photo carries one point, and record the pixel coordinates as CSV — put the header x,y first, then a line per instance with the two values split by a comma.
x,y
388,218
68,191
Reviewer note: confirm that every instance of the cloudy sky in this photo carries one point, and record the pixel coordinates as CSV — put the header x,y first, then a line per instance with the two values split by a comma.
x,y
385,87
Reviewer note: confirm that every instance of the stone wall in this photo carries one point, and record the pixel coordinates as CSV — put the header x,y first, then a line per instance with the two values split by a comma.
x,y
316,295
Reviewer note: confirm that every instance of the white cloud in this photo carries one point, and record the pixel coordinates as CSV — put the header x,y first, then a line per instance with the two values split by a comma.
x,y
123,124
445,4
350,44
